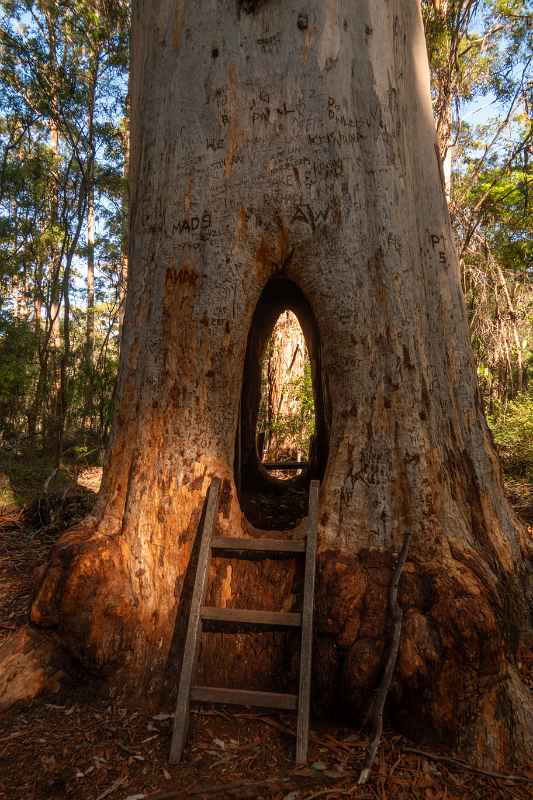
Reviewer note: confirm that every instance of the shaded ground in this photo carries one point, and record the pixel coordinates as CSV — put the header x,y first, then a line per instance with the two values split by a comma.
x,y
75,747
26,475
76,744
37,503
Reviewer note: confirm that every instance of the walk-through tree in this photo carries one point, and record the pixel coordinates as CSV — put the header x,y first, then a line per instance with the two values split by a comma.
x,y
284,155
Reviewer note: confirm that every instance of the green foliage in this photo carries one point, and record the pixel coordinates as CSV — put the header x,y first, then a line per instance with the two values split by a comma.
x,y
53,53
512,428
294,431
288,433
501,193
18,368
63,139
482,49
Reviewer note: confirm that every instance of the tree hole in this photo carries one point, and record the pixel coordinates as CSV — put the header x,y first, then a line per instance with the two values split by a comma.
x,y
283,428
286,419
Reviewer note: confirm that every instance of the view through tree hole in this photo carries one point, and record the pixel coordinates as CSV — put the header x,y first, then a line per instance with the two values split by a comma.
x,y
284,415
286,420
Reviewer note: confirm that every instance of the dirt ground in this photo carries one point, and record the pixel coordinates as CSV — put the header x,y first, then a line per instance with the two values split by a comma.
x,y
70,746
77,744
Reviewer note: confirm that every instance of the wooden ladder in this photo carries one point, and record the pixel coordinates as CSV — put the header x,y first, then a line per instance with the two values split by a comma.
x,y
304,620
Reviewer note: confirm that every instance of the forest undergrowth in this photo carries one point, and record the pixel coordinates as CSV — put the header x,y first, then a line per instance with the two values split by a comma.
x,y
78,741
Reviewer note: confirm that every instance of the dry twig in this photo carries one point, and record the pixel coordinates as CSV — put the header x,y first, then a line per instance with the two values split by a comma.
x,y
500,776
386,679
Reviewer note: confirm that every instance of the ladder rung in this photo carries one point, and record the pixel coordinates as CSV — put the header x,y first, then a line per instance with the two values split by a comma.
x,y
259,545
199,613
242,697
284,465
283,618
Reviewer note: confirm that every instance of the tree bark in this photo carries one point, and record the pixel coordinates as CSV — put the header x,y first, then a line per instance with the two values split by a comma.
x,y
63,399
89,337
51,358
502,284
123,273
90,181
273,144
445,80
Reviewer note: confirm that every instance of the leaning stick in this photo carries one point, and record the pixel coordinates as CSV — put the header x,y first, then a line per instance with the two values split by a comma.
x,y
386,678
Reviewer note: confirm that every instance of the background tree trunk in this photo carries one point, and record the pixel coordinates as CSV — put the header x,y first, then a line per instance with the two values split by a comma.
x,y
89,341
284,364
123,273
269,142
90,184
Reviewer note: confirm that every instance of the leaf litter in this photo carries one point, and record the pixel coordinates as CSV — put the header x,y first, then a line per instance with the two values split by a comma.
x,y
77,744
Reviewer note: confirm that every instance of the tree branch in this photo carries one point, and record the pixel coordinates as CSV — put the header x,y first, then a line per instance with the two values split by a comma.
x,y
386,679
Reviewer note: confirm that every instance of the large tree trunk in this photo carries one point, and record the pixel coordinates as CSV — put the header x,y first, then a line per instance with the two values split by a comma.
x,y
276,148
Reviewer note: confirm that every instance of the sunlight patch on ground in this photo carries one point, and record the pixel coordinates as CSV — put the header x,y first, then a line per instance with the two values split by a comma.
x,y
90,478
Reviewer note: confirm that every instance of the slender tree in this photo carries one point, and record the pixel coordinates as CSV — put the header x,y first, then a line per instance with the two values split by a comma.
x,y
62,86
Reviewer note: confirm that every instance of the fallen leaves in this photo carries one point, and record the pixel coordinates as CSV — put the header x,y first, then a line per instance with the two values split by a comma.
x,y
94,750
90,749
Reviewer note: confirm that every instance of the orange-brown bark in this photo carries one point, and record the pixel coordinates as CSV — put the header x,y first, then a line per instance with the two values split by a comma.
x,y
308,154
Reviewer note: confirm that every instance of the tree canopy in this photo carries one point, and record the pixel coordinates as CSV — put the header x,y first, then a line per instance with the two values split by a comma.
x,y
63,202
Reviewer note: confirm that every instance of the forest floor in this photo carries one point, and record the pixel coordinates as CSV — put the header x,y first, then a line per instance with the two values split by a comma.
x,y
73,743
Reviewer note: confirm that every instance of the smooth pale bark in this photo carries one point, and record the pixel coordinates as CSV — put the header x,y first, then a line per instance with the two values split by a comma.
x,y
54,258
514,328
301,143
123,273
93,75
89,340
444,80
50,363
89,330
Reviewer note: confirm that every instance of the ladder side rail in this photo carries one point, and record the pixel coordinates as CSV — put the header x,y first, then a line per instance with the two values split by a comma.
x,y
181,718
304,694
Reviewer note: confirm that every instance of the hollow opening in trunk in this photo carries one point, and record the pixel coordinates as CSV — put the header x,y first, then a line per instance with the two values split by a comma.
x,y
283,415
286,419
